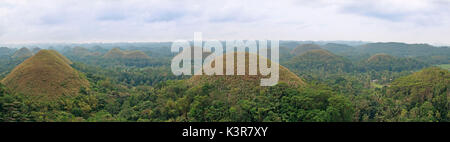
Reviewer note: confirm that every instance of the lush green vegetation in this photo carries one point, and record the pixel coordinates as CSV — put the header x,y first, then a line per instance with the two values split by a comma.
x,y
445,66
367,83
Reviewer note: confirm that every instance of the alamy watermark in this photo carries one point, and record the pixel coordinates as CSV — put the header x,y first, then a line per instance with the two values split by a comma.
x,y
192,58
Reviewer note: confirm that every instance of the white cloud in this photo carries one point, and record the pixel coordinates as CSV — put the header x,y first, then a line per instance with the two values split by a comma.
x,y
156,20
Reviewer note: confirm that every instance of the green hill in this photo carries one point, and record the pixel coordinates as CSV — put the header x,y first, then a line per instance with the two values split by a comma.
x,y
421,96
304,48
240,98
116,53
135,55
422,85
380,58
319,60
237,81
22,53
46,74
35,50
339,48
80,52
5,51
381,62
240,87
403,49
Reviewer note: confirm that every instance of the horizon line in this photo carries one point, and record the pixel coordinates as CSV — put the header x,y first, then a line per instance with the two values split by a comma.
x,y
165,41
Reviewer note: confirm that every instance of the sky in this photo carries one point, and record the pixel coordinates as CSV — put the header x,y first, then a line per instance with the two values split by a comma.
x,y
75,21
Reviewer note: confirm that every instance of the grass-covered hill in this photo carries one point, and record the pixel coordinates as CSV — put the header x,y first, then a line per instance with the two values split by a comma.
x,y
35,50
137,58
422,86
300,49
116,53
5,51
241,98
237,81
47,74
380,62
22,53
80,52
421,96
339,48
380,58
319,60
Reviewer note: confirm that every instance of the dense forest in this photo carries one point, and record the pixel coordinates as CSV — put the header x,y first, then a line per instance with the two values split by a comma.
x,y
319,82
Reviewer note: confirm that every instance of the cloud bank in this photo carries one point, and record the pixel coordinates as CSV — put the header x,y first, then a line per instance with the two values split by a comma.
x,y
414,21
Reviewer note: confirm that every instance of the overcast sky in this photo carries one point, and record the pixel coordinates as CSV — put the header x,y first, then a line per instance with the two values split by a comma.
x,y
40,21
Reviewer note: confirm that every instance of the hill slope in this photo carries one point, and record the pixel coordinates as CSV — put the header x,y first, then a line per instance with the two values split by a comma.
x,y
22,53
249,81
404,50
240,98
380,58
421,96
80,52
380,62
319,60
5,51
304,48
116,53
46,73
339,48
35,50
422,85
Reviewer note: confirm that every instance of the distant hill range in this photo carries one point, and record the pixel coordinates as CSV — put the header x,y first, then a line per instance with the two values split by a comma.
x,y
403,49
423,52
